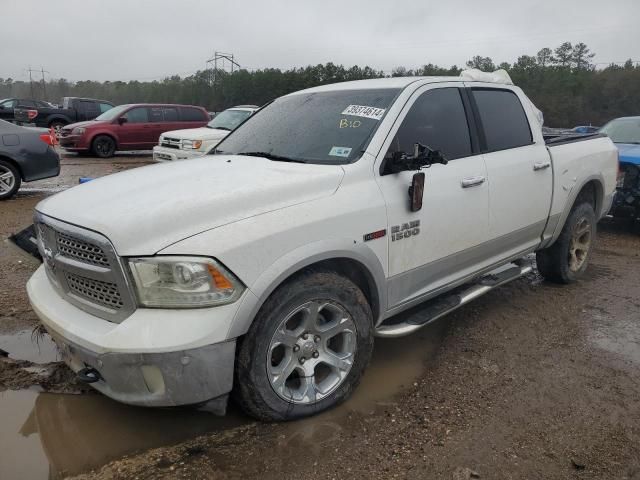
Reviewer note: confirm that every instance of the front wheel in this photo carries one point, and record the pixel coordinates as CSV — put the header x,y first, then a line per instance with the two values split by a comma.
x,y
567,259
103,146
307,348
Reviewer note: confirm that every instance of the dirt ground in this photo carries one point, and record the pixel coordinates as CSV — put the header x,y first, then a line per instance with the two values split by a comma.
x,y
532,380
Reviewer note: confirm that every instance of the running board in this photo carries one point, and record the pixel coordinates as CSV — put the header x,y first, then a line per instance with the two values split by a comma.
x,y
437,308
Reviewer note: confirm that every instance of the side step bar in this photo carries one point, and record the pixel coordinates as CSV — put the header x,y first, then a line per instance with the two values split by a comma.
x,y
432,310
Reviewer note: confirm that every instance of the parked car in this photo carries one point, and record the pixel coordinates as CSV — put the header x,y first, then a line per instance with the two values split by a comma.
x,y
130,127
8,105
73,110
270,267
26,155
585,129
195,142
625,133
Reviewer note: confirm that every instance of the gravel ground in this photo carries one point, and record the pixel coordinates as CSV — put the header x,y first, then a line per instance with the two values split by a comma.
x,y
532,380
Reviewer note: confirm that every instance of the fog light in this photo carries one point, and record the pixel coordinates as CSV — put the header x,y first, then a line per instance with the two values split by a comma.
x,y
153,379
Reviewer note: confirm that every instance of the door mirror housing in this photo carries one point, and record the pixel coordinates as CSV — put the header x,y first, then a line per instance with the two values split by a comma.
x,y
416,192
122,120
423,157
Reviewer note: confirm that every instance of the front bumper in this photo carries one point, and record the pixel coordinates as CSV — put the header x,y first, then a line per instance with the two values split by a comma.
x,y
144,370
164,154
74,143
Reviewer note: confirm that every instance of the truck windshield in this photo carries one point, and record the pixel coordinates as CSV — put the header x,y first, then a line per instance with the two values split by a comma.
x,y
113,113
229,119
623,130
322,127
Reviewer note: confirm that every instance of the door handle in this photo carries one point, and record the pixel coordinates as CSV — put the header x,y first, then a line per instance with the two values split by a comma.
x,y
472,181
541,166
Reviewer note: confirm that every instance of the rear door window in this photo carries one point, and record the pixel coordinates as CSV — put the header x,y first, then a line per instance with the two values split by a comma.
x,y
155,114
27,103
192,115
503,119
170,114
137,115
437,119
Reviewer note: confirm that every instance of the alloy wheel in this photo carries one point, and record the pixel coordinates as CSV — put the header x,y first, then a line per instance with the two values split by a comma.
x,y
579,244
311,352
7,180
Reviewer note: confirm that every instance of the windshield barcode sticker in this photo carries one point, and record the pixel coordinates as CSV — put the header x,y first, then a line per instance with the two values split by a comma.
x,y
364,111
340,152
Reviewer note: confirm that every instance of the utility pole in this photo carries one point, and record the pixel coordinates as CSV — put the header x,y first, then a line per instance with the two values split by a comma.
x,y
31,81
44,85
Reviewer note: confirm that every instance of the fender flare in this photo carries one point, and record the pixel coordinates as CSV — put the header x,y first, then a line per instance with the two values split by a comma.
x,y
598,179
299,259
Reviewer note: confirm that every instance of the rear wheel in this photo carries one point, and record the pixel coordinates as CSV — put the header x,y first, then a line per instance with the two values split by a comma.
x,y
306,350
567,259
103,146
9,180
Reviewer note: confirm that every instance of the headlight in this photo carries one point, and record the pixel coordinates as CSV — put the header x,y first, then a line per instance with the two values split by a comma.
x,y
183,282
191,144
78,131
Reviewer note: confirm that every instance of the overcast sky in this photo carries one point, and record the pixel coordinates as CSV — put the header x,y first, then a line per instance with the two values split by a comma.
x,y
151,39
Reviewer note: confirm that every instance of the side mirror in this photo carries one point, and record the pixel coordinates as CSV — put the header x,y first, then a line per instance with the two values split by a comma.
x,y
122,120
416,192
423,157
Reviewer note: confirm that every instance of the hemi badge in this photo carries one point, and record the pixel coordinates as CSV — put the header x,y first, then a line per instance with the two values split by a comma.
x,y
374,235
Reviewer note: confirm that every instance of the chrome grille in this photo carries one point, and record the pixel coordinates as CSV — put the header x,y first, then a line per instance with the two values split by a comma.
x,y
84,268
103,293
80,250
171,142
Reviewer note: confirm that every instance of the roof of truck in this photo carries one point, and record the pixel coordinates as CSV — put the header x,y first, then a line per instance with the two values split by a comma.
x,y
499,77
376,83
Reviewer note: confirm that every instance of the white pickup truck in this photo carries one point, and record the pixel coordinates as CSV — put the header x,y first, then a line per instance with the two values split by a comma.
x,y
268,269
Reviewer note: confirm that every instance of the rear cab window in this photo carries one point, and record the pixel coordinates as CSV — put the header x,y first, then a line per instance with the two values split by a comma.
x,y
503,119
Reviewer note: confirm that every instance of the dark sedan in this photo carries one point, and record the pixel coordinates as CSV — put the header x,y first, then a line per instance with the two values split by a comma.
x,y
26,154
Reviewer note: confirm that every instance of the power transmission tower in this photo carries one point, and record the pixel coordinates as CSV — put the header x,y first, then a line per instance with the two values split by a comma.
x,y
219,58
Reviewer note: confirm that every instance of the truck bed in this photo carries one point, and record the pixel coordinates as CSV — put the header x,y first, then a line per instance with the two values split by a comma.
x,y
553,139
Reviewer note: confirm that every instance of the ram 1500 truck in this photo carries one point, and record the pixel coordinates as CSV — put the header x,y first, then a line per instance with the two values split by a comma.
x,y
267,270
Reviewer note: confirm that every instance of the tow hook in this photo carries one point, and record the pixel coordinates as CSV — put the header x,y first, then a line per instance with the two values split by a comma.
x,y
89,375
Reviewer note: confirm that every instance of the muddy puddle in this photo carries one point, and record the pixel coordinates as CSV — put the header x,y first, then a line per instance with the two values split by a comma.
x,y
25,345
48,436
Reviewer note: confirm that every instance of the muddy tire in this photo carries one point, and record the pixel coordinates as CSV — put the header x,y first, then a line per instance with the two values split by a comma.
x,y
103,146
10,180
307,349
566,260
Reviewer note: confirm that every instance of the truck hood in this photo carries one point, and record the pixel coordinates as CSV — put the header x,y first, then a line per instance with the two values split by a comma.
x,y
202,133
147,209
629,153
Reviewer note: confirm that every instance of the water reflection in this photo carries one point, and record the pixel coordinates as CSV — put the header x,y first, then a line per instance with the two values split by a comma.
x,y
51,435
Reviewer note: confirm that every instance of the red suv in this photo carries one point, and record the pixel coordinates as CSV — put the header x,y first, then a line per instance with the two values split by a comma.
x,y
130,127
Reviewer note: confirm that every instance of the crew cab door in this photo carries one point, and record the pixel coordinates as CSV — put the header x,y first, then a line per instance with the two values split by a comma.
x,y
443,241
520,174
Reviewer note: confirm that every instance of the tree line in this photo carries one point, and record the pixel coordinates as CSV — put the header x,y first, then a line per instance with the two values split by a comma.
x,y
562,82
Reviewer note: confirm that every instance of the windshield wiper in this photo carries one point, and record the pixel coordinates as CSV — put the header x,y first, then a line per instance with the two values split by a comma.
x,y
220,128
271,156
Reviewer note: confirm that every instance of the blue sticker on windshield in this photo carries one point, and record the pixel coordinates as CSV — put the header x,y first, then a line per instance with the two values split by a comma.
x,y
340,151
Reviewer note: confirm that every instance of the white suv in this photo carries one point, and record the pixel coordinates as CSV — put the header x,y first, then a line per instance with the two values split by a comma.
x,y
195,142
